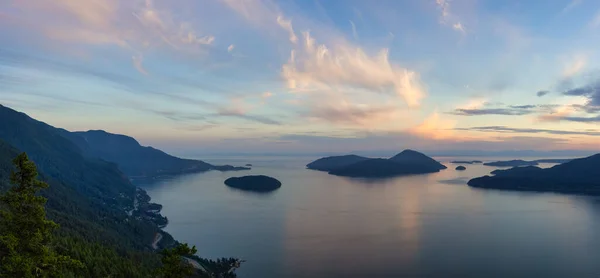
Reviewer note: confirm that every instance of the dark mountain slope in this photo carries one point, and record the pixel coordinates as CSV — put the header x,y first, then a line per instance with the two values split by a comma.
x,y
89,197
136,160
580,176
132,158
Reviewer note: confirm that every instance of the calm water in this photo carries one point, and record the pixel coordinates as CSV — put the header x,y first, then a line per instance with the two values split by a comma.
x,y
318,225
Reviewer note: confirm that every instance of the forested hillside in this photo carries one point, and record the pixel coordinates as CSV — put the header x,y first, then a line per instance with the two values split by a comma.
x,y
91,200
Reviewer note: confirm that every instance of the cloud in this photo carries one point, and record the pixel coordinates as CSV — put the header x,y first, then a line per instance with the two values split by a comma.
x,y
523,106
595,21
530,130
353,114
590,91
137,63
595,119
575,66
354,33
435,127
287,25
344,67
447,17
542,93
237,108
444,7
459,27
230,48
135,26
492,111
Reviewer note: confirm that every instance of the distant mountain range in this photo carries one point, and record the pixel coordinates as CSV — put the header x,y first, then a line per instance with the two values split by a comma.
x,y
405,163
136,160
519,162
580,176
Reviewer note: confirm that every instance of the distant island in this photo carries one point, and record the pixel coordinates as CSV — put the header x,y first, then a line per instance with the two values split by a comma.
x,y
335,162
466,162
520,163
259,183
579,176
248,165
405,163
461,168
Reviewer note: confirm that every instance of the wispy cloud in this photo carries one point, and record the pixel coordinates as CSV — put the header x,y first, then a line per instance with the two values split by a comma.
x,y
435,127
137,63
447,17
135,26
492,111
531,130
345,113
317,67
595,23
354,33
287,25
542,93
575,66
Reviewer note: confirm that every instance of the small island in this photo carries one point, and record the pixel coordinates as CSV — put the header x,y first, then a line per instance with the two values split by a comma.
x,y
461,168
248,165
230,168
466,162
258,183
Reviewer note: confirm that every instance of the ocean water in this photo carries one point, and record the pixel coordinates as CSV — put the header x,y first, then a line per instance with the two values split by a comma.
x,y
318,225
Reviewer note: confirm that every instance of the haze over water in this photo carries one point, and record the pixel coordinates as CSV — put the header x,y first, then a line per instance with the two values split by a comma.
x,y
319,225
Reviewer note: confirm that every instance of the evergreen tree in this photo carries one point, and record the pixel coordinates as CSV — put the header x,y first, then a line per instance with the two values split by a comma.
x,y
25,233
173,263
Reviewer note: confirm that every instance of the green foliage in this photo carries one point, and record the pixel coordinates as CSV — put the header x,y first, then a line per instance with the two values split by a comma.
x,y
25,233
173,263
91,200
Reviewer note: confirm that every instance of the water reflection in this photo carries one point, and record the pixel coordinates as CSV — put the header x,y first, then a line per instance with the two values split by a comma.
x,y
318,225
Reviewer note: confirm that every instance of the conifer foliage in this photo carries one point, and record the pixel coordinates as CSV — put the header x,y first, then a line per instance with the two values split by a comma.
x,y
25,232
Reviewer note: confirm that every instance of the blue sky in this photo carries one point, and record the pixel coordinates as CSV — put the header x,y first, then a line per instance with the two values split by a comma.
x,y
268,76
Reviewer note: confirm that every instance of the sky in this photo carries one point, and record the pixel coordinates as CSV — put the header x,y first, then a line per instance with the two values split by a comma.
x,y
308,76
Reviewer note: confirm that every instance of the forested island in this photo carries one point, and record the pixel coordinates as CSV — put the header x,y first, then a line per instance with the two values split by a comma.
x,y
258,183
578,176
406,162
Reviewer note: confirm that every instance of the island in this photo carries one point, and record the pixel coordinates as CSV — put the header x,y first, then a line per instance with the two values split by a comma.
x,y
521,163
511,163
335,162
461,168
257,183
408,162
578,176
229,168
466,162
